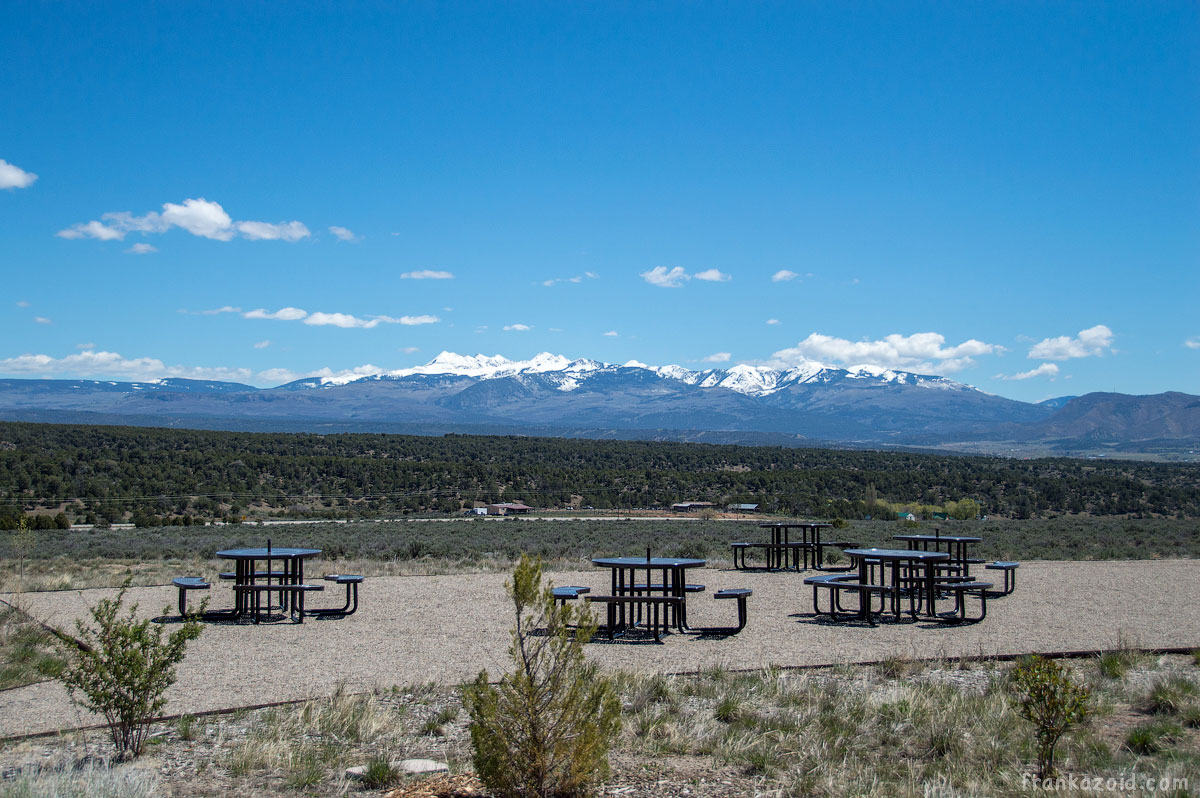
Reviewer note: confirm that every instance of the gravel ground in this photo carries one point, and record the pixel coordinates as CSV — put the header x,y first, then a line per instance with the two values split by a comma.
x,y
444,629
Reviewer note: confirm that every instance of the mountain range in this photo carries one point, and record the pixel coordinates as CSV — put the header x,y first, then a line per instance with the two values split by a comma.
x,y
811,404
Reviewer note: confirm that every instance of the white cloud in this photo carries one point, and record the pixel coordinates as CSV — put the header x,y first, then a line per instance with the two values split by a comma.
x,y
1192,343
110,365
264,231
666,278
262,344
783,275
344,234
611,333
413,321
42,320
141,249
408,350
345,320
577,279
1093,341
1044,370
773,322
713,276
283,314
199,217
922,352
517,328
717,357
92,229
13,176
213,312
21,303
88,345
427,274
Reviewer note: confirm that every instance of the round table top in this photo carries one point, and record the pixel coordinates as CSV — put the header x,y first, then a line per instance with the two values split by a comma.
x,y
653,562
935,538
261,554
897,554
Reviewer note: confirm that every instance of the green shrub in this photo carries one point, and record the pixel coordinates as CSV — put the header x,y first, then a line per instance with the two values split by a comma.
x,y
379,773
1115,664
545,729
1047,697
1150,738
122,669
728,710
1171,695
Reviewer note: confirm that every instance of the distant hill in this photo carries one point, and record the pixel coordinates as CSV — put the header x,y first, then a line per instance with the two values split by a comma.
x,y
1056,402
550,395
1115,417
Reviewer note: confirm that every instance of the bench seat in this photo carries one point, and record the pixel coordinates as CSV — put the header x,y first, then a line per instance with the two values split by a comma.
x,y
837,582
186,583
298,592
565,593
1009,569
739,594
351,581
960,591
659,609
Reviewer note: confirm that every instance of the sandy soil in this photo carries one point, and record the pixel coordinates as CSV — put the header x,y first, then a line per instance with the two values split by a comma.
x,y
446,628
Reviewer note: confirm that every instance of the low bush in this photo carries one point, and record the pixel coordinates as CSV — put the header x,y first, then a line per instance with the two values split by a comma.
x,y
122,668
1047,697
544,731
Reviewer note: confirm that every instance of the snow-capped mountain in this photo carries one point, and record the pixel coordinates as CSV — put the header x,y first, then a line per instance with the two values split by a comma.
x,y
555,395
744,379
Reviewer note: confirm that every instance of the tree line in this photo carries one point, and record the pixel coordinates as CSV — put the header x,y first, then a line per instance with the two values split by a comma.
x,y
149,476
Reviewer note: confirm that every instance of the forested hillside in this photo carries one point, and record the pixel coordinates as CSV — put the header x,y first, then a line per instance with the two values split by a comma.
x,y
156,475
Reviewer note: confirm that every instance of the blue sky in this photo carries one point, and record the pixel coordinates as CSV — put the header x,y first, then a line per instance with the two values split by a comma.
x,y
1004,193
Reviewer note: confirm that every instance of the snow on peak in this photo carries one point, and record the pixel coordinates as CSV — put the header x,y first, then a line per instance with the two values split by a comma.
x,y
568,374
750,380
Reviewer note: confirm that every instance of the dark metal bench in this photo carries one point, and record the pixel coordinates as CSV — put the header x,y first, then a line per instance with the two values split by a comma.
x,y
1010,574
566,593
297,593
741,594
838,544
837,582
656,621
960,591
186,583
775,552
351,581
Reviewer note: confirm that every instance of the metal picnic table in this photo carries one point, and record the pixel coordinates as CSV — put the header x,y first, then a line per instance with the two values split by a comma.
x,y
673,582
247,572
927,560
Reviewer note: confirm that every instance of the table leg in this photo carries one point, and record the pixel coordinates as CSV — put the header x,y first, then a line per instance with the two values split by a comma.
x,y
930,596
238,576
679,589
